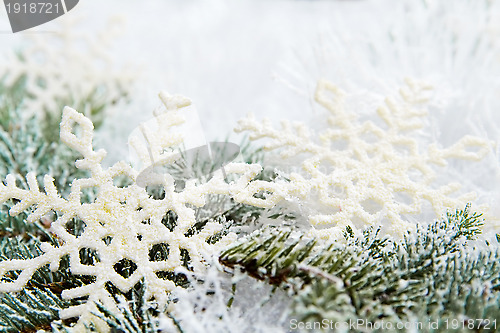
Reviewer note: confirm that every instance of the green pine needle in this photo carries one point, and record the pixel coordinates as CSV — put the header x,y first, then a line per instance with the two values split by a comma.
x,y
430,273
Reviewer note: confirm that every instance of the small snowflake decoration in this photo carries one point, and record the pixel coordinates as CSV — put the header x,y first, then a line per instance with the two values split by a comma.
x,y
371,180
122,222
67,67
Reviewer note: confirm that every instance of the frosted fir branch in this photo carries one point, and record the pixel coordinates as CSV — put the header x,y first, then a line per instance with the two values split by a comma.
x,y
135,313
314,271
30,309
370,277
24,149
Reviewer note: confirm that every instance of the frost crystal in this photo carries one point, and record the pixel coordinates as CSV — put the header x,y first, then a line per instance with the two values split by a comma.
x,y
123,222
380,175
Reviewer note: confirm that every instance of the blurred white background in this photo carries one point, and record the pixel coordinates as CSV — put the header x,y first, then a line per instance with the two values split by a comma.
x,y
232,57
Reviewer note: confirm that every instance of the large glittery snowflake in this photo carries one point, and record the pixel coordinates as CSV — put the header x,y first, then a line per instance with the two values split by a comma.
x,y
123,222
380,175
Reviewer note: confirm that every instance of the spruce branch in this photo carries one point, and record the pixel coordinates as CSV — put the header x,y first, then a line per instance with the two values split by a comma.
x,y
431,272
135,313
24,149
29,310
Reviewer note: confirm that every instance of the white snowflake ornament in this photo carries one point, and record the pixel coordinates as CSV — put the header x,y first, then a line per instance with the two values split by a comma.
x,y
122,223
380,176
